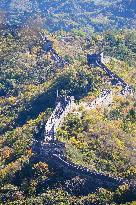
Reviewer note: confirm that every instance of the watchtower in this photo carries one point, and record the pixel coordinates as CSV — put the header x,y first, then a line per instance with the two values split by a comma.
x,y
94,59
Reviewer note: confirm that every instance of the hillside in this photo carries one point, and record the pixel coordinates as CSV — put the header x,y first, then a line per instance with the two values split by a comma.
x,y
34,64
71,14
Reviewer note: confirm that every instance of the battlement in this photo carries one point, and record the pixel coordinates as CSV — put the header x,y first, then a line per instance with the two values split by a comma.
x,y
94,59
103,100
64,104
54,152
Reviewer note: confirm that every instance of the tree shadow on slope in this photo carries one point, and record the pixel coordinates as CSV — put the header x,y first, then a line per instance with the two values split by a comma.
x,y
77,83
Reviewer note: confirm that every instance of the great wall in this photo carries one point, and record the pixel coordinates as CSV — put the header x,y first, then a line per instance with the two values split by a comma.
x,y
52,151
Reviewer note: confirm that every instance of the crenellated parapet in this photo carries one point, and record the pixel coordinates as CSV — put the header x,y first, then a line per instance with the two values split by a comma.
x,y
68,166
103,100
53,152
96,60
47,46
63,107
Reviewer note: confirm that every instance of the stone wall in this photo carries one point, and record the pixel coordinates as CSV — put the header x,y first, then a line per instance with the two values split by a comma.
x,y
97,60
62,108
103,100
106,179
116,80
55,151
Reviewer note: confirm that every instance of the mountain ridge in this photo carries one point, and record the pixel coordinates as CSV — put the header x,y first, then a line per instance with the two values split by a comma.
x,y
71,14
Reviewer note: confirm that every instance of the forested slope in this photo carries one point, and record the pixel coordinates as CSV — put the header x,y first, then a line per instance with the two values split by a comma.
x,y
71,14
102,139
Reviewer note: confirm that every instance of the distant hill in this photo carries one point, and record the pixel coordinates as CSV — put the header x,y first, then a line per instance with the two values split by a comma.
x,y
68,14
